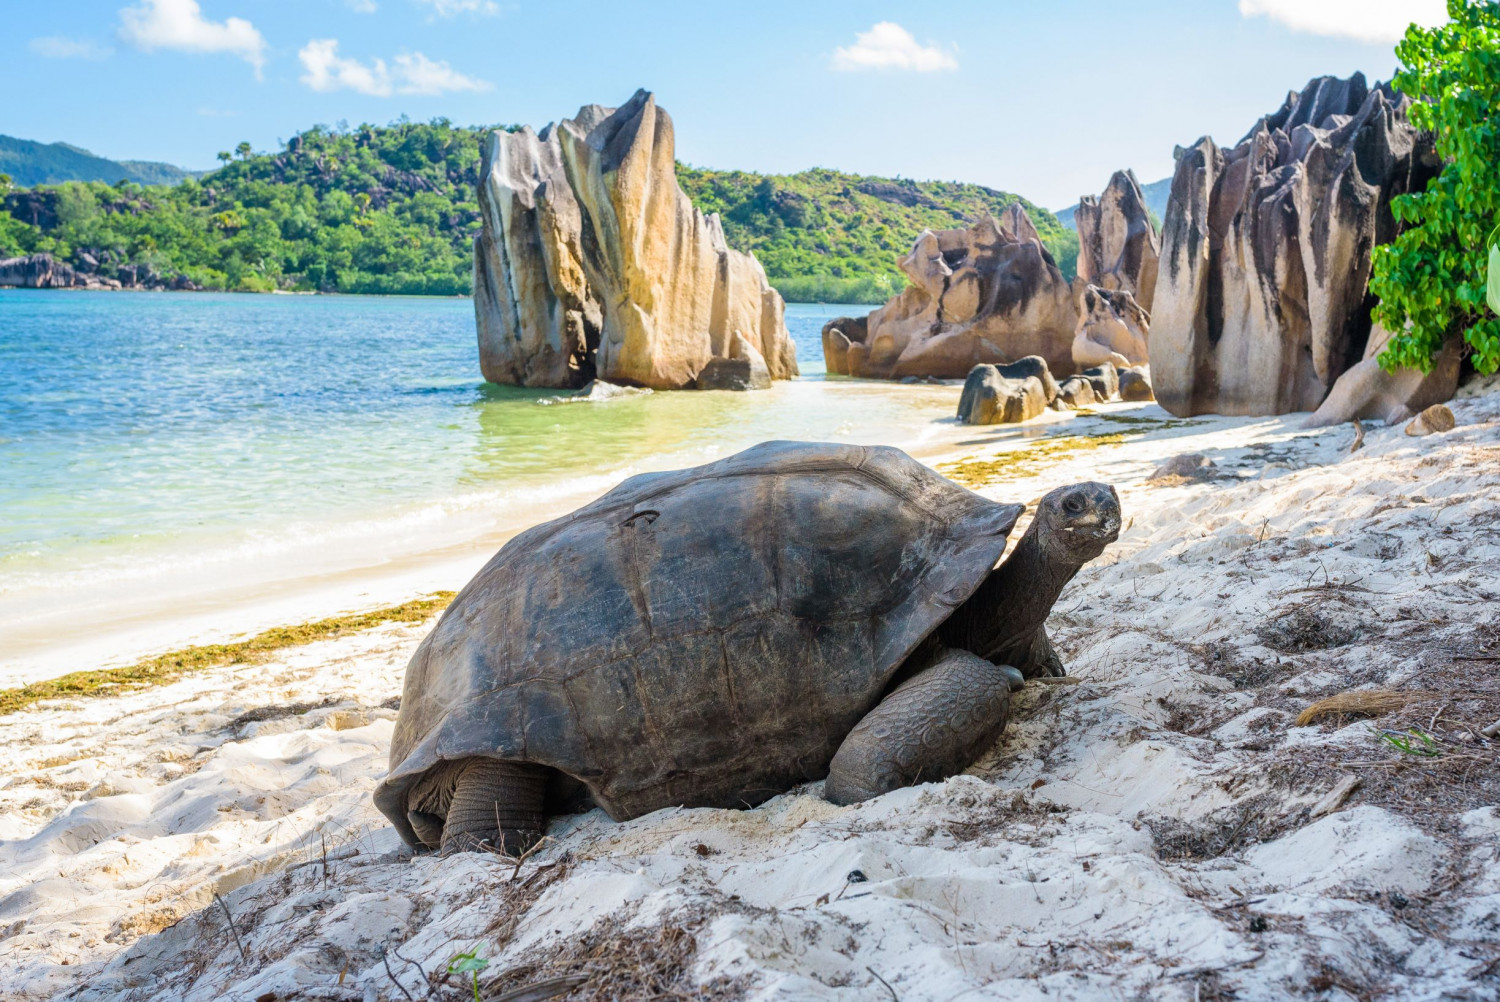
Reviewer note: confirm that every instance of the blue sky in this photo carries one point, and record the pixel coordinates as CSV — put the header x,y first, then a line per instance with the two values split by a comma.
x,y
1041,97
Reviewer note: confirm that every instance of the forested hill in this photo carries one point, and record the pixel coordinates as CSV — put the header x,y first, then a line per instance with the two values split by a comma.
x,y
28,163
393,210
823,235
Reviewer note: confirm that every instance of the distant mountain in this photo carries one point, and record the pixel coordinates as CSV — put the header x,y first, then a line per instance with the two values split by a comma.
x,y
1156,200
31,163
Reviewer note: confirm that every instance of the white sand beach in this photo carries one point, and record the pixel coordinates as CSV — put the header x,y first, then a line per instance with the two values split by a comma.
x,y
1160,829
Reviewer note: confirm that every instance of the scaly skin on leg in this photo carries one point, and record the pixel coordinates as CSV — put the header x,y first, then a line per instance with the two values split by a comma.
x,y
935,724
498,805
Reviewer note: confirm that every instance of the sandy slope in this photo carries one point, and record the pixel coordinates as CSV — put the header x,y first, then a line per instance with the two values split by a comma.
x,y
1153,831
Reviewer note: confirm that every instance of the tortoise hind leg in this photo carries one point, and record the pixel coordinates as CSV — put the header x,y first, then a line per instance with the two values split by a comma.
x,y
496,805
933,725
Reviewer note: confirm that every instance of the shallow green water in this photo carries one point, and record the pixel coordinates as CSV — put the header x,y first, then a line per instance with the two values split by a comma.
x,y
142,434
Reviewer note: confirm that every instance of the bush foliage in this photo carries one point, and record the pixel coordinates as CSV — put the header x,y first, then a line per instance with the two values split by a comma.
x,y
1431,279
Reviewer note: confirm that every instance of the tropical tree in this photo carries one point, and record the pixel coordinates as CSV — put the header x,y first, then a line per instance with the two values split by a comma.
x,y
1431,279
243,149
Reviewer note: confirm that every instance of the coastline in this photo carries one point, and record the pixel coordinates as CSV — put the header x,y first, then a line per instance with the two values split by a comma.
x,y
1142,816
122,628
353,295
114,623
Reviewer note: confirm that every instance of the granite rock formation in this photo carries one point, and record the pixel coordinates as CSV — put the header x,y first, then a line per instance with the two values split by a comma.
x,y
991,398
985,293
104,271
1262,301
1112,327
593,263
1367,391
1076,392
1105,379
1118,249
36,271
1135,385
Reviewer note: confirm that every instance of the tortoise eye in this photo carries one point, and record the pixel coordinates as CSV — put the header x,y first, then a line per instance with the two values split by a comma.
x,y
1073,504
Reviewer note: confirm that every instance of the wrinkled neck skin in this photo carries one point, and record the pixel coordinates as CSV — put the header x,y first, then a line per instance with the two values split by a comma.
x,y
1000,620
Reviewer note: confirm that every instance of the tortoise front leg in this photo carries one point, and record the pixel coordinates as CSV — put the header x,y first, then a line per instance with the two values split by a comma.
x,y
1041,659
935,724
496,805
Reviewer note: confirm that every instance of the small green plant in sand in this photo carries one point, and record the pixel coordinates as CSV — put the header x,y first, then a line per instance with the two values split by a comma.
x,y
470,963
169,667
1413,742
1025,462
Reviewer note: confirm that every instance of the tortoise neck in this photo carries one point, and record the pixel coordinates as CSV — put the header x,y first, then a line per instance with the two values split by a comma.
x,y
1000,620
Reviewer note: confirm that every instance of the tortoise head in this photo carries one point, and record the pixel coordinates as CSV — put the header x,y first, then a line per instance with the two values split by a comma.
x,y
1079,521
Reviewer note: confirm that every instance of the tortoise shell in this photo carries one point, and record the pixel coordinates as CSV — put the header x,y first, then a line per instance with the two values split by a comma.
x,y
701,637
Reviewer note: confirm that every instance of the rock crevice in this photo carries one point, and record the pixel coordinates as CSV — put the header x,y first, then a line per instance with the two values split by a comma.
x,y
1262,301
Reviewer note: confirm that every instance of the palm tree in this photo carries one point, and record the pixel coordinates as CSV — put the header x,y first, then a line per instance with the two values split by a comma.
x,y
243,149
225,156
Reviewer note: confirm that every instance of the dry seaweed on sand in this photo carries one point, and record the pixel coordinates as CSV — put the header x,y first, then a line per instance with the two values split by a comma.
x,y
626,961
1024,462
168,667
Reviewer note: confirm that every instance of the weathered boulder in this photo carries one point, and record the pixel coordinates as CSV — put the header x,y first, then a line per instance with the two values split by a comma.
x,y
1366,390
986,293
1105,379
1029,367
839,334
1262,299
745,369
1433,420
990,398
1118,248
1076,391
1135,384
36,271
1190,466
1112,327
592,262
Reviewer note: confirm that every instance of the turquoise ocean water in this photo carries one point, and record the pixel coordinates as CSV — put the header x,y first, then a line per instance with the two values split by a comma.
x,y
145,435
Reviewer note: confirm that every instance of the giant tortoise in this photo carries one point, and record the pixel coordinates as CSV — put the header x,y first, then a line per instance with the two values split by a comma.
x,y
717,635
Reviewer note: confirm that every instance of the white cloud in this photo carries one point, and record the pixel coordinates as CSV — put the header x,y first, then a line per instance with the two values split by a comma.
x,y
888,46
420,75
452,8
180,25
412,74
1373,21
59,47
362,6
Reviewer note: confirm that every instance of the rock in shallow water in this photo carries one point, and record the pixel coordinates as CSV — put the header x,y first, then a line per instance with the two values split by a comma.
x,y
990,398
983,293
593,262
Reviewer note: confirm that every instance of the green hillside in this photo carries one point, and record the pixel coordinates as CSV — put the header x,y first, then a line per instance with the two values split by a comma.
x,y
827,236
31,163
367,210
393,210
